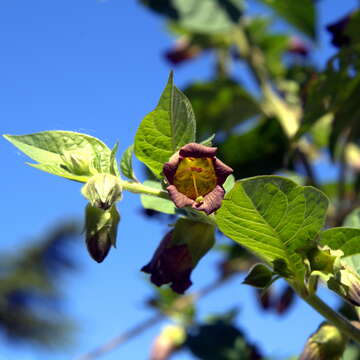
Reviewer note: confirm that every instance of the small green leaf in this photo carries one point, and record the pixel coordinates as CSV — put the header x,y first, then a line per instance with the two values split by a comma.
x,y
51,149
126,163
273,217
167,128
155,203
353,219
259,276
345,239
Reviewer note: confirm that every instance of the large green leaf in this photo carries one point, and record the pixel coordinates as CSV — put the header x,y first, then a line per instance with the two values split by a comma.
x,y
273,217
167,128
345,239
205,16
301,14
53,149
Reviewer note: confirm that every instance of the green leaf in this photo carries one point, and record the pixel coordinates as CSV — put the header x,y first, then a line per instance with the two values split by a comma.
x,y
155,203
345,239
53,150
162,132
205,16
301,14
259,276
353,219
126,163
273,217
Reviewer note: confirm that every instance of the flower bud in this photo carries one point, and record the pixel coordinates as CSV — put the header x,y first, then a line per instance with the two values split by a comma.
x,y
103,190
101,230
327,343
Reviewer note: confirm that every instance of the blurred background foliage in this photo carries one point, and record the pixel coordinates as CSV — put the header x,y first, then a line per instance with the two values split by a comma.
x,y
30,296
291,114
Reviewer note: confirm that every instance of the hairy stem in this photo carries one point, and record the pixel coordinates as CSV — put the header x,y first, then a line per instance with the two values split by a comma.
x,y
138,188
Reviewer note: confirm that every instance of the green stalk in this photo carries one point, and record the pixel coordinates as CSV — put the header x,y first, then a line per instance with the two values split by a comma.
x,y
138,188
333,317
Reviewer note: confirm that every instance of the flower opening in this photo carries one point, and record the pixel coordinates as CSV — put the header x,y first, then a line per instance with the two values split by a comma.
x,y
195,177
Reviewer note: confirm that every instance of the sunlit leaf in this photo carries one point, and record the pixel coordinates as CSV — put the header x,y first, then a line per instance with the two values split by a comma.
x,y
273,217
167,128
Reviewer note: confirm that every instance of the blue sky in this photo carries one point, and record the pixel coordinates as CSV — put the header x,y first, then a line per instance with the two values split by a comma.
x,y
97,67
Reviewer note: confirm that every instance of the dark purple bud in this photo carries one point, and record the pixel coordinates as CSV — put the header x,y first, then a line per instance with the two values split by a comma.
x,y
100,231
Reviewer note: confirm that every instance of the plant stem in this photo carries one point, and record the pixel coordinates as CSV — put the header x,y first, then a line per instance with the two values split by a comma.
x,y
138,188
273,105
333,317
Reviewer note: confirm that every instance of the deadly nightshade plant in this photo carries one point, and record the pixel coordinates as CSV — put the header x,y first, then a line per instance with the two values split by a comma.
x,y
278,220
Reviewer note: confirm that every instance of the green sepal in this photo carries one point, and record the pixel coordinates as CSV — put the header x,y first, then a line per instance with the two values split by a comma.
x,y
114,169
103,190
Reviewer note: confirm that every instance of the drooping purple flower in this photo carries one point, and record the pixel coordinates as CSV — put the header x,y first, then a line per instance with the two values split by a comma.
x,y
171,264
195,178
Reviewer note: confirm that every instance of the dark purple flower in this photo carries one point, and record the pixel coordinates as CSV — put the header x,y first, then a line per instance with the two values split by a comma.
x,y
171,264
195,178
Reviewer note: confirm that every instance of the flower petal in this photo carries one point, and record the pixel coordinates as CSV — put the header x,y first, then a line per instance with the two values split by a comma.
x,y
197,151
212,201
179,199
222,171
170,167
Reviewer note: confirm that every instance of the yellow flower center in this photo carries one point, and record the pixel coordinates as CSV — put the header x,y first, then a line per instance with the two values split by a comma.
x,y
195,177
